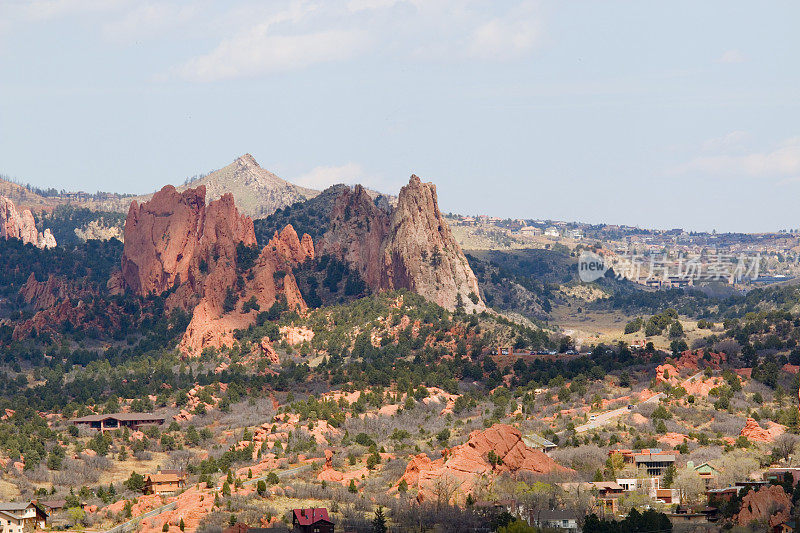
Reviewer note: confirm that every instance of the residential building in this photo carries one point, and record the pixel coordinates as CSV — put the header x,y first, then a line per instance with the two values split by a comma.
x,y
112,421
538,442
782,475
164,482
708,473
11,523
551,231
311,521
556,519
653,460
529,231
16,516
607,494
719,497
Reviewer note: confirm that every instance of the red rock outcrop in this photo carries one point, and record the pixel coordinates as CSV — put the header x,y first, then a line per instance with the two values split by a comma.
x,y
48,294
22,226
167,238
770,505
357,232
176,240
423,256
289,246
754,432
464,465
411,247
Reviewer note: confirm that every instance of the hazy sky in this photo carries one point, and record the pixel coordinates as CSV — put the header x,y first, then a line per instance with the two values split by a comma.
x,y
659,114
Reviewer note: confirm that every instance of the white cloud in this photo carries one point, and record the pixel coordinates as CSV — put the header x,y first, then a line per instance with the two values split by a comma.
x,y
783,161
509,36
325,176
732,56
726,142
367,5
261,53
275,44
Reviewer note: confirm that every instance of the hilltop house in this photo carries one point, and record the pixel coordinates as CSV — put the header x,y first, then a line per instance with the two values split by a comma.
x,y
653,460
112,421
538,442
311,521
164,482
16,517
605,493
708,473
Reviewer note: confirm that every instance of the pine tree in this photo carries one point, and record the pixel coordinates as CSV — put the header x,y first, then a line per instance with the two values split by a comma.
x,y
352,487
379,522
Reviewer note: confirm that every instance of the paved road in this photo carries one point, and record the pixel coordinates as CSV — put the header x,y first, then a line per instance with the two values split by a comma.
x,y
133,524
604,418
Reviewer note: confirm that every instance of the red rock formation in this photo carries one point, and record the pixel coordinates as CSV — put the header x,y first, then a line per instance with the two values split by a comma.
x,y
754,432
167,238
464,465
770,505
357,231
269,352
176,239
22,226
422,255
411,247
288,245
47,294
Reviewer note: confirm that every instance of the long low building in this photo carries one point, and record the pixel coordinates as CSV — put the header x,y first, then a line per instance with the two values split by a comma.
x,y
113,421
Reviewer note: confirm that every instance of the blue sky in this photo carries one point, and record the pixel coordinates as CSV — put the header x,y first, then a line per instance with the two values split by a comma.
x,y
658,114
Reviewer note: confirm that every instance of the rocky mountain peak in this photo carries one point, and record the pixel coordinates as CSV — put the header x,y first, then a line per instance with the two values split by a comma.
x,y
247,161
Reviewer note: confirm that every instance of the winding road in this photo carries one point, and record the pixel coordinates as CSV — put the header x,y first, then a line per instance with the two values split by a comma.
x,y
605,417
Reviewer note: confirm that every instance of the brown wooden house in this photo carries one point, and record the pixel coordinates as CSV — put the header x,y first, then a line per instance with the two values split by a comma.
x,y
164,483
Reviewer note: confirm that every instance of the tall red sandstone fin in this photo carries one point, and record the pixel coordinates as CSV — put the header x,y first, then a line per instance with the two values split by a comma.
x,y
421,254
176,239
307,246
21,225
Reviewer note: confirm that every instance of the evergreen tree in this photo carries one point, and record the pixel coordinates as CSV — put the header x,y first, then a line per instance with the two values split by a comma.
x,y
379,522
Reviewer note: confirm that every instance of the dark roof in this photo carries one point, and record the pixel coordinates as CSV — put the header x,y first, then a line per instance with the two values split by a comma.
x,y
53,504
306,517
128,417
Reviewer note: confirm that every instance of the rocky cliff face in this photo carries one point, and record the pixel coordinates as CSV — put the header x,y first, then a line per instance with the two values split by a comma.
x,y
172,238
358,229
409,247
22,226
176,241
422,255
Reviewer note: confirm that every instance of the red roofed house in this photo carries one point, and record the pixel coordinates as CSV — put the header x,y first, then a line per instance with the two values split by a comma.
x,y
312,521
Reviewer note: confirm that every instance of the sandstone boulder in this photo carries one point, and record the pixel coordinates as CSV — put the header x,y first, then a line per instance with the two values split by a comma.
x,y
768,505
754,432
487,454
